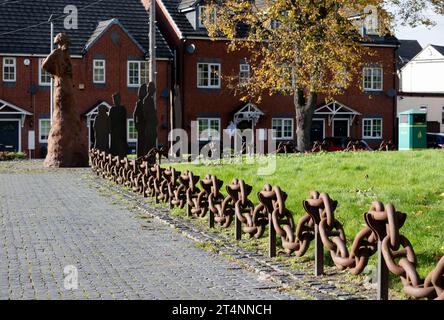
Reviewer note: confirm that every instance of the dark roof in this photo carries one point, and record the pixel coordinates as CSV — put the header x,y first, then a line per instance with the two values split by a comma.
x,y
175,8
440,49
24,28
407,51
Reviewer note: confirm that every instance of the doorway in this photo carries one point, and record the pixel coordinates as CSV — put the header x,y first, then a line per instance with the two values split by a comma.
x,y
10,135
341,128
317,130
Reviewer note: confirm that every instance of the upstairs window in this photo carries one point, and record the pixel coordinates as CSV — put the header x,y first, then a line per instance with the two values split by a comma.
x,y
137,73
244,74
44,77
208,75
9,69
203,13
373,78
99,71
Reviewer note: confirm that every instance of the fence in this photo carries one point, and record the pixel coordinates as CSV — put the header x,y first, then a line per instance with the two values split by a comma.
x,y
203,198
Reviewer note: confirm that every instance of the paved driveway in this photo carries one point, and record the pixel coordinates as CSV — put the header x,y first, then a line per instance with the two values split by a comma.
x,y
55,224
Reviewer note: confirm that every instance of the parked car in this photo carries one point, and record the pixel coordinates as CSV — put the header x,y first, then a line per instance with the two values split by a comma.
x,y
435,140
340,144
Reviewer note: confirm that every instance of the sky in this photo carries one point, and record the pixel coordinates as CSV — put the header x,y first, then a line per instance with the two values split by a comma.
x,y
424,35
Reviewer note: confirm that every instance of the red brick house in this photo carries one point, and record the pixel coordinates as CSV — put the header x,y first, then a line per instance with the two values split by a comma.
x,y
109,54
366,114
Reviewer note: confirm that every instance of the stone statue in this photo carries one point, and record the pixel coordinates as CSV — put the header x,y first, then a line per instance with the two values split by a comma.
x,y
140,121
66,148
102,130
117,116
151,117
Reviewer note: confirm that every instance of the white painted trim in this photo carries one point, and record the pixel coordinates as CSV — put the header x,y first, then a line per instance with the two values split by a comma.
x,y
209,75
170,19
104,71
127,130
42,84
140,73
282,128
15,69
340,119
323,125
40,129
208,119
32,55
363,79
19,110
19,132
382,129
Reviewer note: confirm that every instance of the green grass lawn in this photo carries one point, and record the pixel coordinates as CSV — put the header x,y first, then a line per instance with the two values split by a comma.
x,y
412,181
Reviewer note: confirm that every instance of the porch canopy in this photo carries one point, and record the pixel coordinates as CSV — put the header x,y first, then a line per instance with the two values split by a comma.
x,y
7,108
249,112
337,109
92,113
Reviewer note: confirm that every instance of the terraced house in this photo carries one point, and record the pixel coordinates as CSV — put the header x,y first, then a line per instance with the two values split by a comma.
x,y
110,53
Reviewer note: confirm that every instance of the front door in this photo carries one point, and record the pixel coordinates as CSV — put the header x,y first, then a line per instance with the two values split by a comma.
x,y
317,130
9,135
340,129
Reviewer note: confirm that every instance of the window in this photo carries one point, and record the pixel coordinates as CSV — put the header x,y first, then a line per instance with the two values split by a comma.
x,y
99,71
137,73
9,69
373,78
372,128
208,75
44,128
203,11
44,77
282,129
442,120
132,132
244,74
423,108
209,129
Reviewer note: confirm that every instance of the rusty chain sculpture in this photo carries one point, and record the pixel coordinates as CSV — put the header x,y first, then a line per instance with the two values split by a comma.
x,y
382,230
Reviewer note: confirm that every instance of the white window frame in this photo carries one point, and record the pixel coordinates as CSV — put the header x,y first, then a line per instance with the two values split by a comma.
x,y
96,68
14,65
209,86
372,79
139,66
371,121
244,80
201,15
209,121
40,130
128,130
283,137
42,73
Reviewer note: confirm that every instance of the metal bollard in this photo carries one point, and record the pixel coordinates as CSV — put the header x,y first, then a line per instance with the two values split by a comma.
x,y
319,253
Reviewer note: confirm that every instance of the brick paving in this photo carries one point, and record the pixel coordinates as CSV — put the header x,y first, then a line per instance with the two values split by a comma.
x,y
53,219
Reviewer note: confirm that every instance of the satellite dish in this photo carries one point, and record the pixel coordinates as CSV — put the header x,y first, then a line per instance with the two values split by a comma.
x,y
191,48
26,62
391,93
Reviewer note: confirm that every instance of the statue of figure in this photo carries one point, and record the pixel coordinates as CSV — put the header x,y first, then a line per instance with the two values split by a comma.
x,y
65,146
102,130
117,116
150,113
140,122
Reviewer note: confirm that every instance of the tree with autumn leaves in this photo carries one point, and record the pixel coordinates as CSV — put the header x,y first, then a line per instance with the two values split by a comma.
x,y
308,48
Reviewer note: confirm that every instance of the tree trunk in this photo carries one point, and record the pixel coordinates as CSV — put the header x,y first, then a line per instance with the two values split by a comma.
x,y
304,115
